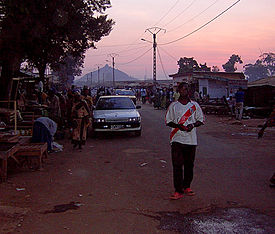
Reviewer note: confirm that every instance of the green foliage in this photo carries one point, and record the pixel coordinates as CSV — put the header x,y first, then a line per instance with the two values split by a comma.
x,y
230,65
263,67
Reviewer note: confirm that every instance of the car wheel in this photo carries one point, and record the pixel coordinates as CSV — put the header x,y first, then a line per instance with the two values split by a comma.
x,y
138,133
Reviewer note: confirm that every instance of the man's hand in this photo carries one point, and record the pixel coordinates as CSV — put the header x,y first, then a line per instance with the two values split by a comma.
x,y
189,127
182,127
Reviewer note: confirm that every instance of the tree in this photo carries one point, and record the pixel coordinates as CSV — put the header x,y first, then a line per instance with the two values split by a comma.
x,y
191,65
268,60
204,67
69,68
47,32
230,65
215,69
187,65
263,67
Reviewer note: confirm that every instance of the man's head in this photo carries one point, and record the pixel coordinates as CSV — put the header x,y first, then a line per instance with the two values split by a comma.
x,y
85,90
77,96
183,89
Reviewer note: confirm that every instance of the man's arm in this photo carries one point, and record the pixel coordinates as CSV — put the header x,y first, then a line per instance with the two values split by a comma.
x,y
194,125
179,126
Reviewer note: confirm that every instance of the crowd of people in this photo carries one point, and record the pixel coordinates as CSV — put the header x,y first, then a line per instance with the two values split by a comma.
x,y
69,109
73,110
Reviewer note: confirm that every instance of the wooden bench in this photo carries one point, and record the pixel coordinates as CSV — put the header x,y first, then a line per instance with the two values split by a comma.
x,y
7,150
32,150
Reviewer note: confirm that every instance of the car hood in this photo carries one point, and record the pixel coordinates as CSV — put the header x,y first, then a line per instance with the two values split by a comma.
x,y
116,114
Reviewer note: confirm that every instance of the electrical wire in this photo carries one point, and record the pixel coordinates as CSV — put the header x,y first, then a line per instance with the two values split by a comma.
x,y
162,65
136,58
119,52
120,45
167,53
210,21
129,55
193,17
167,13
185,9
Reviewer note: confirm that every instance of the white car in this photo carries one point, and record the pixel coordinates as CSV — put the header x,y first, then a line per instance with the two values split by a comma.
x,y
128,93
116,114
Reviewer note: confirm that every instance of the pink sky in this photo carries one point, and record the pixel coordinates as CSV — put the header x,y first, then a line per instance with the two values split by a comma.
x,y
247,29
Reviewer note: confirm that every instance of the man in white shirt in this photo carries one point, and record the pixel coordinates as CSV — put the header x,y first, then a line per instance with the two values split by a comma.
x,y
183,116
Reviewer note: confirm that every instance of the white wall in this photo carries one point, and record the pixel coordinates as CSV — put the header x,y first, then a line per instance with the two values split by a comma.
x,y
215,88
203,83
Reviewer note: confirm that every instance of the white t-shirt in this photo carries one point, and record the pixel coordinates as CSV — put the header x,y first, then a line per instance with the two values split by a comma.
x,y
193,113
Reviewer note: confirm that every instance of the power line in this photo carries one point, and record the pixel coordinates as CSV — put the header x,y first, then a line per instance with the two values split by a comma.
x,y
185,9
167,53
162,65
134,41
135,58
118,52
120,45
210,21
167,13
123,51
194,17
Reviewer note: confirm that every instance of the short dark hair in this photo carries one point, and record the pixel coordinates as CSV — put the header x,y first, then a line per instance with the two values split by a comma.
x,y
182,84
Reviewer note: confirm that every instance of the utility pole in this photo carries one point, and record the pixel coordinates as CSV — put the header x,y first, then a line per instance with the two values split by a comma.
x,y
98,72
113,55
154,31
91,79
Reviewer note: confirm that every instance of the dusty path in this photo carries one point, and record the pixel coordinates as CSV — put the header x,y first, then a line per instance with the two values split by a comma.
x,y
121,183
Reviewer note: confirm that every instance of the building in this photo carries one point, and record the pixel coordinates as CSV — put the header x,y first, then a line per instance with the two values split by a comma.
x,y
261,92
214,84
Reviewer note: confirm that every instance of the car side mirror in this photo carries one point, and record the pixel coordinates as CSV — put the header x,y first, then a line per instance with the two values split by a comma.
x,y
138,107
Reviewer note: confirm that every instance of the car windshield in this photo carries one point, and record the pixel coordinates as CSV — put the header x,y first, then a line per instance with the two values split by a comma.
x,y
115,103
125,92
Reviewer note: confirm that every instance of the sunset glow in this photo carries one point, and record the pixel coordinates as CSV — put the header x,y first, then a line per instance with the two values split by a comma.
x,y
247,30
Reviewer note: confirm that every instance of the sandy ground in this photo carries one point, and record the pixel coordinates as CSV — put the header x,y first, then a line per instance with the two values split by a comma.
x,y
121,183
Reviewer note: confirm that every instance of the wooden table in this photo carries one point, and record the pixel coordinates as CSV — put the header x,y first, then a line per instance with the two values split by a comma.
x,y
7,150
22,151
32,150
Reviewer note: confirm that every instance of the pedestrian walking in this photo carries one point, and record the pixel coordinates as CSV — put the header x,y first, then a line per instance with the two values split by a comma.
x,y
183,116
239,96
81,121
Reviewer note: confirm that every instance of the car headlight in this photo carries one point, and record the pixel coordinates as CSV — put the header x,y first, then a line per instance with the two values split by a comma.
x,y
134,119
100,120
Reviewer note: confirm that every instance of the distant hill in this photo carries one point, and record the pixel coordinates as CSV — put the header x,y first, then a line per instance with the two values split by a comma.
x,y
105,75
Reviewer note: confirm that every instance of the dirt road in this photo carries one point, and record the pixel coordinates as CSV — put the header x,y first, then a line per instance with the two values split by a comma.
x,y
121,183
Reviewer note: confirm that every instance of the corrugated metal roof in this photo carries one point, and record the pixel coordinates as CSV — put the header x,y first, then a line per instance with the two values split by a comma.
x,y
261,82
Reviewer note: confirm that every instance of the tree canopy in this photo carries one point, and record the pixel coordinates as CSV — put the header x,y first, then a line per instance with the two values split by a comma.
x,y
47,32
230,65
190,65
263,67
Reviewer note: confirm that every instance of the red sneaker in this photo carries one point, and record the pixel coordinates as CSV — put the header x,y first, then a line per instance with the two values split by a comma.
x,y
176,196
188,192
